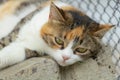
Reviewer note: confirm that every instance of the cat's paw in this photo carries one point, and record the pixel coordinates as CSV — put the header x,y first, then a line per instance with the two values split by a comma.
x,y
11,54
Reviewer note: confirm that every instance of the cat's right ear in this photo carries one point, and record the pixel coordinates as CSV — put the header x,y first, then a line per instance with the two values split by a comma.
x,y
56,13
101,30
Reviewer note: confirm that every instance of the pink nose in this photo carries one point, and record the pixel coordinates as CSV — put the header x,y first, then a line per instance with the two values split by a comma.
x,y
65,57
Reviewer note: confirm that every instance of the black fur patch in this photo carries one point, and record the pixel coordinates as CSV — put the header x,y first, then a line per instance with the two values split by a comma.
x,y
80,20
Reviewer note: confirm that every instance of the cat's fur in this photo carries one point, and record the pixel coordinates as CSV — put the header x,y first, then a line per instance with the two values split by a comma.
x,y
64,33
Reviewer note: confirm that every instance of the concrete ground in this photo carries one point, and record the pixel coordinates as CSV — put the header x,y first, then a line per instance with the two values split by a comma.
x,y
42,68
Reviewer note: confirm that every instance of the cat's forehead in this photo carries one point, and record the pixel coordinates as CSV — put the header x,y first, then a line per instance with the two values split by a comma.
x,y
76,32
68,33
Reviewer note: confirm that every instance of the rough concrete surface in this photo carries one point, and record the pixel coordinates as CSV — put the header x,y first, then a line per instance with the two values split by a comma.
x,y
32,69
43,68
89,70
101,68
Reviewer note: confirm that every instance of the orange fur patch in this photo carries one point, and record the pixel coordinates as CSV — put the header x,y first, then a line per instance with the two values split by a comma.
x,y
55,47
45,30
77,32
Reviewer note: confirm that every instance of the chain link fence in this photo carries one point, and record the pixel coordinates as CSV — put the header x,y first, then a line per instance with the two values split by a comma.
x,y
104,11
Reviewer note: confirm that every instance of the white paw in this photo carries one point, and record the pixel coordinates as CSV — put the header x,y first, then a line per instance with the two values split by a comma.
x,y
11,54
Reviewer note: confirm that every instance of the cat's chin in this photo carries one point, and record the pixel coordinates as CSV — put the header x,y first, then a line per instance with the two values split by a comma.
x,y
64,64
67,63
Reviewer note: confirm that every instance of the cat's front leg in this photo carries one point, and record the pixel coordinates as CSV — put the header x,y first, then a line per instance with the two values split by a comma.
x,y
12,54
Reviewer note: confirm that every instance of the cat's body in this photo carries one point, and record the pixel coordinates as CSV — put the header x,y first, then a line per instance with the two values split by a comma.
x,y
64,33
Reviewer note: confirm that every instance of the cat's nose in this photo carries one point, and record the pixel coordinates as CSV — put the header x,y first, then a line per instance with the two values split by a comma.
x,y
65,57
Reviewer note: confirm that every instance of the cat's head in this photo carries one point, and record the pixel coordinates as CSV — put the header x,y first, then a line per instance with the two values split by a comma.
x,y
72,35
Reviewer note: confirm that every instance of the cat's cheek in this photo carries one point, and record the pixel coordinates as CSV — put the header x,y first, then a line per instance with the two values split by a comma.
x,y
58,58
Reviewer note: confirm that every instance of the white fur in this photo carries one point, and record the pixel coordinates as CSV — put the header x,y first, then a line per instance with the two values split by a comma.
x,y
29,37
7,24
11,54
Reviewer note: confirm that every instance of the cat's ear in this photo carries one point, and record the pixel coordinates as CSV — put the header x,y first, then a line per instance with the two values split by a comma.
x,y
56,13
101,30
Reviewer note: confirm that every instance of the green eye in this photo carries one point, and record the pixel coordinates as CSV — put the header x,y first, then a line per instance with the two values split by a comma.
x,y
81,50
59,41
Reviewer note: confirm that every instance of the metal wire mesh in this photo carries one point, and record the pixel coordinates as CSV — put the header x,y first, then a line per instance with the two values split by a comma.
x,y
104,11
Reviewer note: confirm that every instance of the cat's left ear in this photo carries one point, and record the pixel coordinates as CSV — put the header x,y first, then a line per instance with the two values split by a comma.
x,y
56,13
101,30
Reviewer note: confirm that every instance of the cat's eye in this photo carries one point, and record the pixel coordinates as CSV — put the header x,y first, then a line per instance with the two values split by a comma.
x,y
81,50
59,41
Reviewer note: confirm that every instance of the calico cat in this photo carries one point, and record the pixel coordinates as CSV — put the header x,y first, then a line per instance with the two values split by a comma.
x,y
61,31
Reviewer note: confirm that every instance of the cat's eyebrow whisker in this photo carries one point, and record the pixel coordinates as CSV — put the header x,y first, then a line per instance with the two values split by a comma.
x,y
76,39
81,41
65,37
70,44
